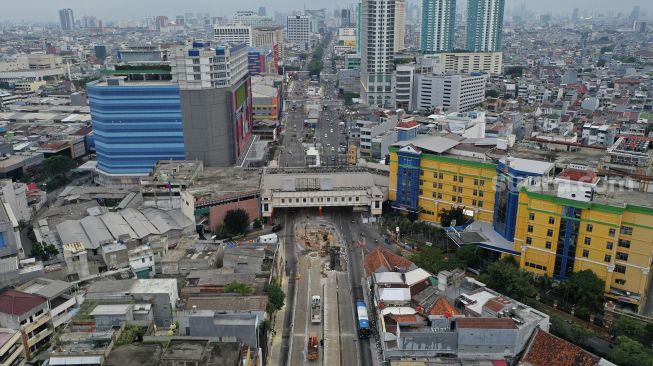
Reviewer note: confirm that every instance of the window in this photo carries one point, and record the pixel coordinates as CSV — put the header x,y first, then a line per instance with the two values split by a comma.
x,y
421,192
142,260
439,185
529,240
421,172
620,268
480,193
435,175
622,256
480,203
421,182
439,196
548,245
453,198
283,200
441,175
626,230
609,245
612,232
455,178
589,228
475,182
481,182
552,220
475,193
358,198
620,281
586,253
454,188
435,185
529,228
473,202
623,243
460,199
460,189
588,240
460,179
607,258
549,232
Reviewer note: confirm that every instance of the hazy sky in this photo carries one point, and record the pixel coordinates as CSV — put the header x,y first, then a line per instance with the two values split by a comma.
x,y
46,10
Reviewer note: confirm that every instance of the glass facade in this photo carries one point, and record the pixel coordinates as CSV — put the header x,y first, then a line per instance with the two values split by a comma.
x,y
135,126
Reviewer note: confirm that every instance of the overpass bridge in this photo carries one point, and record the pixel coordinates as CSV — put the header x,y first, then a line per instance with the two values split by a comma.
x,y
320,188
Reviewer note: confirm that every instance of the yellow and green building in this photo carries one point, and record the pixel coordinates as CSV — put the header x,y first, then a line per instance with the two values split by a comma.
x,y
555,226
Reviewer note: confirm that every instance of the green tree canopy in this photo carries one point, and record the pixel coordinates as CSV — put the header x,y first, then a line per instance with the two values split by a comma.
x,y
585,289
629,352
629,327
238,287
470,255
505,277
433,260
55,166
275,297
236,221
457,213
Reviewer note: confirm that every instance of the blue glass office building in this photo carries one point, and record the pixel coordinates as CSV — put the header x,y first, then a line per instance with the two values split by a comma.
x,y
135,125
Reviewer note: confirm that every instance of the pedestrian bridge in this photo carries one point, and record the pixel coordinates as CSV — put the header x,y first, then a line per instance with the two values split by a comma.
x,y
332,187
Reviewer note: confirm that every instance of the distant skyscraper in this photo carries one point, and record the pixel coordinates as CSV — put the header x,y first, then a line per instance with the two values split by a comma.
x,y
575,15
438,25
261,11
377,52
345,18
66,19
485,25
400,25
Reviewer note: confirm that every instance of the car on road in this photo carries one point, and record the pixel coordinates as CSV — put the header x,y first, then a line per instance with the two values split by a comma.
x,y
277,227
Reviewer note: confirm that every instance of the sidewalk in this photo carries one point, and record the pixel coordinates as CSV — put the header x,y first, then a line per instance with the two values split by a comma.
x,y
276,327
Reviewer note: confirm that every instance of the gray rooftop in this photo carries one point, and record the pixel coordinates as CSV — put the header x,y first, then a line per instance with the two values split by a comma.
x,y
135,354
46,287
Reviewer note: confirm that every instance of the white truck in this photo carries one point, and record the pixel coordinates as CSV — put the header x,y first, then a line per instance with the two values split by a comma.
x,y
316,311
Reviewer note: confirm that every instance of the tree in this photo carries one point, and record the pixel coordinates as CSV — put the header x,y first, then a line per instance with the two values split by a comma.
x,y
257,225
470,255
433,260
236,221
55,166
238,287
43,251
505,277
513,71
580,334
491,94
629,327
585,289
629,352
457,213
275,297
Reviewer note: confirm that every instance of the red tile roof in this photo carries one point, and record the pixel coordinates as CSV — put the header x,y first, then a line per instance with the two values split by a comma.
x,y
486,323
497,304
443,307
577,175
407,124
404,318
549,350
383,259
18,303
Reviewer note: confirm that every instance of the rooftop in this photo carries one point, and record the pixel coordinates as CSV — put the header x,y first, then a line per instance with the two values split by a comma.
x,y
135,354
383,260
228,303
46,287
548,350
486,323
18,303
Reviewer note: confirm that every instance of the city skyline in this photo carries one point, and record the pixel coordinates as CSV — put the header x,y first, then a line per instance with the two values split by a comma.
x,y
113,11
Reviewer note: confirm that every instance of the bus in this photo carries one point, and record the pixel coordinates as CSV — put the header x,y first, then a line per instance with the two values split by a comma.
x,y
363,320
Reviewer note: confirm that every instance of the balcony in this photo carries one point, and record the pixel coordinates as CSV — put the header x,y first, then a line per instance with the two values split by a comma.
x,y
39,337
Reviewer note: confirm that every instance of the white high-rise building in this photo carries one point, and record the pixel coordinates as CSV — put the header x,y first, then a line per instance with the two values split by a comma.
x,y
298,30
400,25
456,93
377,52
233,34
271,37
